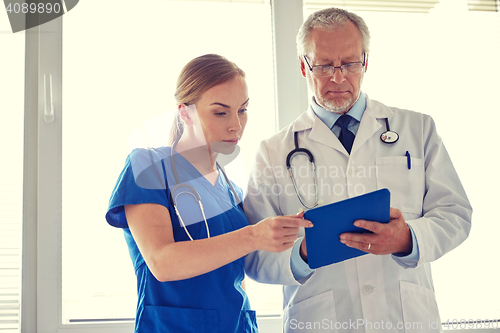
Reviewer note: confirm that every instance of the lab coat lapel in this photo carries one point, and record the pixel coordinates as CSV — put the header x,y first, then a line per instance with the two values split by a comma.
x,y
370,123
319,131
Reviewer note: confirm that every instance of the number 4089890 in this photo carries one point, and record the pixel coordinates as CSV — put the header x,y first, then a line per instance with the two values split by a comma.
x,y
32,8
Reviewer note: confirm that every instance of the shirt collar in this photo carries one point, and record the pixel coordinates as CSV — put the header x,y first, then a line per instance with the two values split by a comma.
x,y
329,118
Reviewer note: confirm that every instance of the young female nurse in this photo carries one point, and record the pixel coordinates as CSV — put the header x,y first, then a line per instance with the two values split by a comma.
x,y
189,259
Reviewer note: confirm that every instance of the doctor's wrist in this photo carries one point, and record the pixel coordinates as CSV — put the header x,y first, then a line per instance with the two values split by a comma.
x,y
303,250
406,246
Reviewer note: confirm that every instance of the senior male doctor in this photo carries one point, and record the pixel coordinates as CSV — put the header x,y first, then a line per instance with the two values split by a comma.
x,y
390,288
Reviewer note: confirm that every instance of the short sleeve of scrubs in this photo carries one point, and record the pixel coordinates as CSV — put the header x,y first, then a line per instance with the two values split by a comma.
x,y
142,180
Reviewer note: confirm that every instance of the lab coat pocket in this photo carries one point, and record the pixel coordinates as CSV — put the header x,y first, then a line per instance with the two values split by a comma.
x,y
420,312
164,319
316,313
407,185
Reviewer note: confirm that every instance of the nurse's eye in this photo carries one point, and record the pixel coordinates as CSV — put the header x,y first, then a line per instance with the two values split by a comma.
x,y
243,111
220,113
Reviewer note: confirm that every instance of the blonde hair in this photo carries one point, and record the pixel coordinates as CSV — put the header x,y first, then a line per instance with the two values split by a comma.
x,y
198,76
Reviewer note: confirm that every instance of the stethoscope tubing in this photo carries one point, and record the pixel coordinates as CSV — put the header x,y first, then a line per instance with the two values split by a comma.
x,y
388,137
192,191
289,158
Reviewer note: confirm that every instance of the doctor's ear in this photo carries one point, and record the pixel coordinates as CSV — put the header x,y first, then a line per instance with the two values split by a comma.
x,y
184,114
366,63
302,66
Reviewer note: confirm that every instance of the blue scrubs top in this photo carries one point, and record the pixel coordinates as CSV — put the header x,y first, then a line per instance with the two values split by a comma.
x,y
211,302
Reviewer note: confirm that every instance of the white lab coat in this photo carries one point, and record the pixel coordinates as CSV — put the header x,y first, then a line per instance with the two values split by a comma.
x,y
370,293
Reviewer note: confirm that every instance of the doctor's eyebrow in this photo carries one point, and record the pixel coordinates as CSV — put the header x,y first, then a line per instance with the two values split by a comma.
x,y
329,62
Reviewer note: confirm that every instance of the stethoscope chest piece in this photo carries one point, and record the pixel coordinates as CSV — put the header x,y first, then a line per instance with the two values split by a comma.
x,y
389,137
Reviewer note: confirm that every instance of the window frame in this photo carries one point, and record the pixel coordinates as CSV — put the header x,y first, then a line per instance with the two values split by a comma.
x,y
29,234
41,305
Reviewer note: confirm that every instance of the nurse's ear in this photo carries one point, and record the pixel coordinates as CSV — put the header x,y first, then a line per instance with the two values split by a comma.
x,y
184,114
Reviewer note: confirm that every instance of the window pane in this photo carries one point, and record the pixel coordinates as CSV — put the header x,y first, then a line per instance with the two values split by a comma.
x,y
425,65
134,51
11,173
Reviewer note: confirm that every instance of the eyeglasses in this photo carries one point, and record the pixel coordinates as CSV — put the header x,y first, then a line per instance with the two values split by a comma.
x,y
346,69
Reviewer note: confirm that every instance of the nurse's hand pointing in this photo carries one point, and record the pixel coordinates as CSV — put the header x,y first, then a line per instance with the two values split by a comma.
x,y
276,234
387,238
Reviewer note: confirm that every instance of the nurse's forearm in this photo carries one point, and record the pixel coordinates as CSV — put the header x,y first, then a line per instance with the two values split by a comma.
x,y
182,260
151,227
168,260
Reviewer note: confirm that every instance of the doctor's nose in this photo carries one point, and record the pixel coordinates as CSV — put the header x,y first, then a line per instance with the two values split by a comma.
x,y
337,75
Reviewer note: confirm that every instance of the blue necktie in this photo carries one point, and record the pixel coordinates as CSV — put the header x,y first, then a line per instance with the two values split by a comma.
x,y
346,137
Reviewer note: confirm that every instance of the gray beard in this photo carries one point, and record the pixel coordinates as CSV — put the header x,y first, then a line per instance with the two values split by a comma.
x,y
330,106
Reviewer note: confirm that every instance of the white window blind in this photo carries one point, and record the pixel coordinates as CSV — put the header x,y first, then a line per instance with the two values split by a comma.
x,y
417,6
10,254
11,174
484,5
409,6
414,6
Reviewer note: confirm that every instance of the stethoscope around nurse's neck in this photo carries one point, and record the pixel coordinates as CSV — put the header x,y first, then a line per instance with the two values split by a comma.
x,y
188,189
387,137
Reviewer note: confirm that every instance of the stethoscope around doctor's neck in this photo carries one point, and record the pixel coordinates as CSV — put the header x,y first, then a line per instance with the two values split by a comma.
x,y
387,137
188,189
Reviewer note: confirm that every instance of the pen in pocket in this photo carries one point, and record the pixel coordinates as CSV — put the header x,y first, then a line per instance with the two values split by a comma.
x,y
408,159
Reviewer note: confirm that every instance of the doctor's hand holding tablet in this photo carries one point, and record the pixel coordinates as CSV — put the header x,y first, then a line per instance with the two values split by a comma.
x,y
350,228
386,238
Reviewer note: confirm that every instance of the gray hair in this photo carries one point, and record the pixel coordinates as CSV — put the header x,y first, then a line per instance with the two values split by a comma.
x,y
331,18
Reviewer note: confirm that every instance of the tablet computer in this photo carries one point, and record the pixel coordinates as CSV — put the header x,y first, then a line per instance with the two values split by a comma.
x,y
323,240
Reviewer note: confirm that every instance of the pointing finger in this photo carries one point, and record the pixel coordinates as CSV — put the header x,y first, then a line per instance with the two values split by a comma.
x,y
300,223
294,221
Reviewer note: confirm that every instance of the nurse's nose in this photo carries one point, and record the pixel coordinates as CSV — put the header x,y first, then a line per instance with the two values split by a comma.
x,y
337,75
235,123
